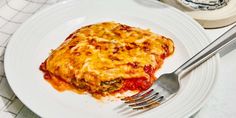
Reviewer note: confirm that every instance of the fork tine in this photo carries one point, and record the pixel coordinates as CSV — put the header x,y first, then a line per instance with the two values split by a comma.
x,y
150,105
136,95
141,97
145,101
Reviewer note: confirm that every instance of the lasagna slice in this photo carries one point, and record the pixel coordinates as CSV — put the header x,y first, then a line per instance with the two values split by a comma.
x,y
107,58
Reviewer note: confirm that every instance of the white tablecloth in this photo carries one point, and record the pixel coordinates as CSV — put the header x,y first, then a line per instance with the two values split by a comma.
x,y
14,12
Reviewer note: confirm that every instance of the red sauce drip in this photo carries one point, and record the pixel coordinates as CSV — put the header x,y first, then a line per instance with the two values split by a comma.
x,y
139,84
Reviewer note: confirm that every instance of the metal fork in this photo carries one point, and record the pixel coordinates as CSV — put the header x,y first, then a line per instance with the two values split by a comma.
x,y
169,84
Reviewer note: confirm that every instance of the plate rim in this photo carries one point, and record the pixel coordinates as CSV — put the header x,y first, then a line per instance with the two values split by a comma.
x,y
216,57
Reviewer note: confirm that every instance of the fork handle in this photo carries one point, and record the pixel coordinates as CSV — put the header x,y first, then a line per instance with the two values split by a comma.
x,y
207,52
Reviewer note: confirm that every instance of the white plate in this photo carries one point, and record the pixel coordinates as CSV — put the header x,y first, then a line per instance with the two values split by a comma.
x,y
32,43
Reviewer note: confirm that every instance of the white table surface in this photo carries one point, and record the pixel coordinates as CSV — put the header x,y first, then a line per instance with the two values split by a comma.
x,y
221,103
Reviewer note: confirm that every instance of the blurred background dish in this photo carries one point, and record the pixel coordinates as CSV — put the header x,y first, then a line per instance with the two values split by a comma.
x,y
204,4
209,13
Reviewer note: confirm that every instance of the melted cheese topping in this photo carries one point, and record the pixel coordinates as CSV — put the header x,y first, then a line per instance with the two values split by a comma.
x,y
105,52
